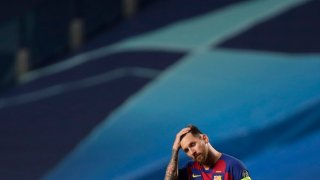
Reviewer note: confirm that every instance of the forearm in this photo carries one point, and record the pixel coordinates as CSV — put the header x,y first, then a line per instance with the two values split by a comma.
x,y
172,168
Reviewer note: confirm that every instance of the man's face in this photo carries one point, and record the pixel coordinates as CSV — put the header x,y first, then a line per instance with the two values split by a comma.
x,y
195,147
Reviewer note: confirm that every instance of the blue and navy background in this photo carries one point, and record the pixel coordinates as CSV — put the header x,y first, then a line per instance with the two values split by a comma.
x,y
246,72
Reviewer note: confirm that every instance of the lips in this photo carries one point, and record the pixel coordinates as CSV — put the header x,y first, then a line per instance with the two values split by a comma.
x,y
196,156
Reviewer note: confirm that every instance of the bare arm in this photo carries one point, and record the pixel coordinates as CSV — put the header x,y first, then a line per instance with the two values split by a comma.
x,y
172,168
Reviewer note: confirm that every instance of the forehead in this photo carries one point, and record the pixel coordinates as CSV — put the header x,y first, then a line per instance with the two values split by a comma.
x,y
187,139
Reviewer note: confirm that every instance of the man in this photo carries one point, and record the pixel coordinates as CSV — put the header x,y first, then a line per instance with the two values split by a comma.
x,y
208,163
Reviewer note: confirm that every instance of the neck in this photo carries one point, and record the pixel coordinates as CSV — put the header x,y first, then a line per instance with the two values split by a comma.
x,y
213,157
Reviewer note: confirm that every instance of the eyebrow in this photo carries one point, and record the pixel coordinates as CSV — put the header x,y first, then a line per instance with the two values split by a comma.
x,y
185,149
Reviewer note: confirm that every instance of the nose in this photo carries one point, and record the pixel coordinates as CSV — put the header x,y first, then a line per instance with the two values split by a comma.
x,y
192,151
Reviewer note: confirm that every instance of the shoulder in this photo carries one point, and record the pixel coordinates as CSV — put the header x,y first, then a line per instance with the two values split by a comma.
x,y
232,161
236,167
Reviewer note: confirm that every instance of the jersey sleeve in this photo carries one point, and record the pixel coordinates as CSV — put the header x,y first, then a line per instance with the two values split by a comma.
x,y
240,172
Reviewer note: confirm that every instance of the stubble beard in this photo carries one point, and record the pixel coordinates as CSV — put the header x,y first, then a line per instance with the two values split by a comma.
x,y
201,158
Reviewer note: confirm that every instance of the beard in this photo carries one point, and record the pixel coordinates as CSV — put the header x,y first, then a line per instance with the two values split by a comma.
x,y
201,158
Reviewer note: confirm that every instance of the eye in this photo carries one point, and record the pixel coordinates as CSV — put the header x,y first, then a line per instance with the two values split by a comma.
x,y
192,144
186,150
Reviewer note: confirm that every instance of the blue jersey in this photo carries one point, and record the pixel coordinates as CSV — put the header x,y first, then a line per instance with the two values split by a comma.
x,y
226,168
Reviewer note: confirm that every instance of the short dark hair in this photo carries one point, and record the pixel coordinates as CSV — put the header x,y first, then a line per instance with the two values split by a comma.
x,y
194,130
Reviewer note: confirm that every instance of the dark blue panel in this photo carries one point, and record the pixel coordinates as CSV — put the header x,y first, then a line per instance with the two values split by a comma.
x,y
50,23
7,78
293,31
35,136
157,15
153,59
99,14
14,8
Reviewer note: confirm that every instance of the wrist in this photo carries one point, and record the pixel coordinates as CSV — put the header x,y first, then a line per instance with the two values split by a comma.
x,y
175,150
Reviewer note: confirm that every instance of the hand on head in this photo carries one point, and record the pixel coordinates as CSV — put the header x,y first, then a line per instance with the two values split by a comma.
x,y
176,144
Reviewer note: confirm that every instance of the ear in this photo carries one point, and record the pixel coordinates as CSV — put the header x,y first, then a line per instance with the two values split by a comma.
x,y
205,138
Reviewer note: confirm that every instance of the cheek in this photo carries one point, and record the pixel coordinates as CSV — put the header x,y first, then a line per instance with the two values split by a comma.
x,y
202,147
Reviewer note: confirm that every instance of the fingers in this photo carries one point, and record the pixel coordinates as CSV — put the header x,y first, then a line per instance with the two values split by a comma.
x,y
176,144
183,131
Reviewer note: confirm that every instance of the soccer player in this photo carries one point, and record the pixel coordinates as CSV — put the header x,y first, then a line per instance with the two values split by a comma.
x,y
208,163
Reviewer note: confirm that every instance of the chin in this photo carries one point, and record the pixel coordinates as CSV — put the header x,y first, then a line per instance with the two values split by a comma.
x,y
200,159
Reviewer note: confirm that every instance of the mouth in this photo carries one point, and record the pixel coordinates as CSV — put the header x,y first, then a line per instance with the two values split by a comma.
x,y
196,156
